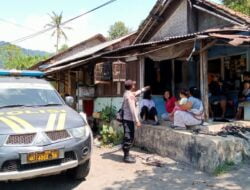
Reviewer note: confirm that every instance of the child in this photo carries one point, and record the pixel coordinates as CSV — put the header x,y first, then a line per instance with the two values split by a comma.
x,y
184,99
148,109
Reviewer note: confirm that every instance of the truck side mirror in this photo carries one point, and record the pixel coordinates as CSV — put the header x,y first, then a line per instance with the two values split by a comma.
x,y
69,100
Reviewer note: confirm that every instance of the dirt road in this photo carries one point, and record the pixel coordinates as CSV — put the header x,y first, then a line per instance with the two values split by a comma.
x,y
109,173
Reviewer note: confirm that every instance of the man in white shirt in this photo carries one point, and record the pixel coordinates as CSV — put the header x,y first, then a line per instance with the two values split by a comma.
x,y
130,118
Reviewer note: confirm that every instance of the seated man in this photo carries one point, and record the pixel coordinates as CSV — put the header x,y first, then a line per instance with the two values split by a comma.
x,y
148,110
217,91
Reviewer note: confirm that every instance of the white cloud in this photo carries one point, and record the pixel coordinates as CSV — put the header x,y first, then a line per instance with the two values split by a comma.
x,y
79,32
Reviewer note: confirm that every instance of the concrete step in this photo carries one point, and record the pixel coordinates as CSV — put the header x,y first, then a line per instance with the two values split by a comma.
x,y
204,152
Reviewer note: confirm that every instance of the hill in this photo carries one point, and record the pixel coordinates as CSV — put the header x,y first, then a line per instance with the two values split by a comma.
x,y
28,52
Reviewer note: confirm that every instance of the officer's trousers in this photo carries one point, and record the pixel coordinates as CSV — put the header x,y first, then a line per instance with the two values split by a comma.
x,y
129,133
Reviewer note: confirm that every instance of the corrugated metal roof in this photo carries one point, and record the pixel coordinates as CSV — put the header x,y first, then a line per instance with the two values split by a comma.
x,y
90,51
76,63
191,35
97,36
166,41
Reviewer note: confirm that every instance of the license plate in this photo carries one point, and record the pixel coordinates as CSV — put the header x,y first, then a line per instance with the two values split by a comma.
x,y
43,156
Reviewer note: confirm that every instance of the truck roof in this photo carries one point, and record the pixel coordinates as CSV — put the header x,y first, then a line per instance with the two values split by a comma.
x,y
18,79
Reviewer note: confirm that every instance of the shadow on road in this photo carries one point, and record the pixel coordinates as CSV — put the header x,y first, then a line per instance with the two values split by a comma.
x,y
112,156
58,182
181,177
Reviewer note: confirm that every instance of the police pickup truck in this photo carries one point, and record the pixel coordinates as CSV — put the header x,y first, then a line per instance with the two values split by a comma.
x,y
39,134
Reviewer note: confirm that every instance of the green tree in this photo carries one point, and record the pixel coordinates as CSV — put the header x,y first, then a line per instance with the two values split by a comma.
x,y
56,22
238,5
14,58
63,48
117,30
23,62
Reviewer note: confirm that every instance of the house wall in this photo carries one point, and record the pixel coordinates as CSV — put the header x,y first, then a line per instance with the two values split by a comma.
x,y
175,25
206,21
188,20
220,51
102,102
107,93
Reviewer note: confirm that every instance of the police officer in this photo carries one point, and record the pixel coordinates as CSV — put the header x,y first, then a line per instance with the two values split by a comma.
x,y
130,117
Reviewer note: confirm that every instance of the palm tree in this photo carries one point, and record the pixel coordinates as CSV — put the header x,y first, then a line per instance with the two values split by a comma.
x,y
56,22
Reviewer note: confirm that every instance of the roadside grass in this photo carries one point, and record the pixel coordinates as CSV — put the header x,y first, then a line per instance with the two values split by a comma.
x,y
224,168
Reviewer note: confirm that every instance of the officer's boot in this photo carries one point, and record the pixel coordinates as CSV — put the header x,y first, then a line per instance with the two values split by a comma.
x,y
127,158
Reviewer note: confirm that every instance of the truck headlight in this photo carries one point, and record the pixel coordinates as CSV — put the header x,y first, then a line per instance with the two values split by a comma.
x,y
80,132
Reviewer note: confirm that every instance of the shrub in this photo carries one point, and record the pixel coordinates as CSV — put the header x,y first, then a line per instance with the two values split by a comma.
x,y
108,114
110,135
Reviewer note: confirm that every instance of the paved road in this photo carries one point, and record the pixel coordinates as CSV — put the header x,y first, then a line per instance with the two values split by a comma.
x,y
108,173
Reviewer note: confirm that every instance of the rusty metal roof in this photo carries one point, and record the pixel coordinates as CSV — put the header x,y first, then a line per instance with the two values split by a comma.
x,y
100,37
187,36
89,51
227,10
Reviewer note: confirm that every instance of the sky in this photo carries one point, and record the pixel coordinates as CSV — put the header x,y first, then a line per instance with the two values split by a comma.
x,y
33,16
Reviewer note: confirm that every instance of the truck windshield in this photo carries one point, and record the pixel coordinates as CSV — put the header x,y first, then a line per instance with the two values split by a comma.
x,y
22,94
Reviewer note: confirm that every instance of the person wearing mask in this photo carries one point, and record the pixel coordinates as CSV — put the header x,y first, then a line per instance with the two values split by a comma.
x,y
169,104
130,117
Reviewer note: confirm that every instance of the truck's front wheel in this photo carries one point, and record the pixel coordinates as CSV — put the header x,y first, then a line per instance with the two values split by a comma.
x,y
81,171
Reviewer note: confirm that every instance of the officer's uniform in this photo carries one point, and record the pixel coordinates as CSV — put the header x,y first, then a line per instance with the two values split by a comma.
x,y
130,117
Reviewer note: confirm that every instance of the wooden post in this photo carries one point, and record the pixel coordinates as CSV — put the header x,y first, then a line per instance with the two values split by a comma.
x,y
204,80
248,59
57,82
222,68
173,77
118,88
142,68
69,83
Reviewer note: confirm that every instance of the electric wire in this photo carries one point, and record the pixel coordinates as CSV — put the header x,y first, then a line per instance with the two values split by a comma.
x,y
65,22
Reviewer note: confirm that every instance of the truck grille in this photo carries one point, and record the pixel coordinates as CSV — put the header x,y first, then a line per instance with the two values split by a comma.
x,y
58,135
20,139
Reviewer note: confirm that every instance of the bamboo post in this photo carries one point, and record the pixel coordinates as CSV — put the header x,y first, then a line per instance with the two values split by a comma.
x,y
204,80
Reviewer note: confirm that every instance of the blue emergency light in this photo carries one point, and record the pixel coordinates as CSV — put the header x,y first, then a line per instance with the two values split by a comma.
x,y
23,73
